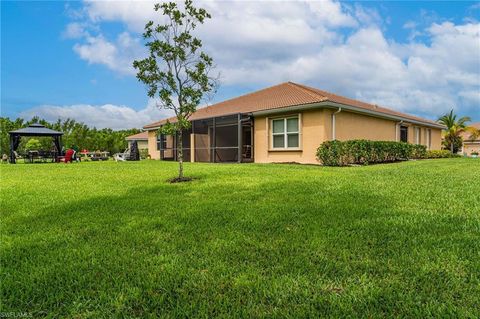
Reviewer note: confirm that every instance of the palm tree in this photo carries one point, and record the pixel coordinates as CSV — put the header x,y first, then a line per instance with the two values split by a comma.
x,y
454,128
474,132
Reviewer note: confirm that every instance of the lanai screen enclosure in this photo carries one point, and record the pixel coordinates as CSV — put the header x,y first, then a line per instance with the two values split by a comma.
x,y
33,130
216,139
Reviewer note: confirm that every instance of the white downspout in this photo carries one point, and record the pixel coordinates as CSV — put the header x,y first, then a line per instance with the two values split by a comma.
x,y
397,131
333,123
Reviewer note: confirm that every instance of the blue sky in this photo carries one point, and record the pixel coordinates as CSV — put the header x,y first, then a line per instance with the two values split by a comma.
x,y
72,59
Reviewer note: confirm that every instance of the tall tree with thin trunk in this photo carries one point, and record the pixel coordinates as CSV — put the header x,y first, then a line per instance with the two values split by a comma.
x,y
455,127
177,72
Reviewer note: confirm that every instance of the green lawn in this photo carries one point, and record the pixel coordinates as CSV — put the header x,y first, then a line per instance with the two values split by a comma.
x,y
95,240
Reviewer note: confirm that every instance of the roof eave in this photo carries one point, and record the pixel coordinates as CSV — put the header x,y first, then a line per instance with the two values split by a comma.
x,y
329,104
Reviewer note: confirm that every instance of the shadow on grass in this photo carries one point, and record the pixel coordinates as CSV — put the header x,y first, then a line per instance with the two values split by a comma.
x,y
263,250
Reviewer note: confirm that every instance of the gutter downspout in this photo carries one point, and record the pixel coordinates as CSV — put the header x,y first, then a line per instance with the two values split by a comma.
x,y
397,131
333,123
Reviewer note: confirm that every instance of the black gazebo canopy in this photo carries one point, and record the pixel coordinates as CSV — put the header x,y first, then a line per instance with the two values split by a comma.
x,y
33,130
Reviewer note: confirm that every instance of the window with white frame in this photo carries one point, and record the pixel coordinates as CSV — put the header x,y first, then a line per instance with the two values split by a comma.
x,y
417,135
429,138
286,133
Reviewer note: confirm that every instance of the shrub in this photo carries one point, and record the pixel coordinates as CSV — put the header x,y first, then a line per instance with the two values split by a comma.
x,y
440,154
363,152
144,153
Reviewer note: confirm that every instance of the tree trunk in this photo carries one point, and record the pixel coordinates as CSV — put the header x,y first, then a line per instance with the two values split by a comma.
x,y
180,154
451,145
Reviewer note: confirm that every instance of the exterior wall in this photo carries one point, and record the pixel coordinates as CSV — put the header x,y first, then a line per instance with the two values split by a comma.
x,y
142,144
350,126
436,139
316,127
152,145
313,133
469,147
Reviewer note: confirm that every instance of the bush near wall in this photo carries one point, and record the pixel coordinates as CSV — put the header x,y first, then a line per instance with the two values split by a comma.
x,y
440,154
363,152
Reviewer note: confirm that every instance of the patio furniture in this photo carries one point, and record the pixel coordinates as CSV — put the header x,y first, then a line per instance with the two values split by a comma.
x,y
68,158
33,130
122,157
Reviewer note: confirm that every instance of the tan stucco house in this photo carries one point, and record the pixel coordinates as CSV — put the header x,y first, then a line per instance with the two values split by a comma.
x,y
141,138
470,145
287,123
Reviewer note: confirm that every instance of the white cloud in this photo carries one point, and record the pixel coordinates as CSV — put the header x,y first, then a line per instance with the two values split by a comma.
x,y
74,30
101,116
266,42
118,55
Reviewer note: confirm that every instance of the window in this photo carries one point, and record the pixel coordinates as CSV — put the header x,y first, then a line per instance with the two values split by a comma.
x,y
417,135
285,133
404,134
429,138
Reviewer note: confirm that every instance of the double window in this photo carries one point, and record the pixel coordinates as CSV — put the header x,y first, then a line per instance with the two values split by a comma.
x,y
286,133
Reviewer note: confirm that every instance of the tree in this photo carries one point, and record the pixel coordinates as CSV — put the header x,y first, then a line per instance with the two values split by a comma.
x,y
452,135
176,72
33,145
474,132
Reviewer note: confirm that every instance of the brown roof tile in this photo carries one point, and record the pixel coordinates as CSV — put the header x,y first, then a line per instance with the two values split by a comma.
x,y
281,96
138,136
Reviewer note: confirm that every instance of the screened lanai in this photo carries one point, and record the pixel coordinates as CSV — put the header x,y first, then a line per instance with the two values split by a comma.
x,y
216,139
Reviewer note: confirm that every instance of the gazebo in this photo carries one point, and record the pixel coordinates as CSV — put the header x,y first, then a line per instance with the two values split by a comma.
x,y
33,130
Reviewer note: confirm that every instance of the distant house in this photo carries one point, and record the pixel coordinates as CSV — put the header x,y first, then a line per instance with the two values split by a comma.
x,y
470,145
286,123
141,138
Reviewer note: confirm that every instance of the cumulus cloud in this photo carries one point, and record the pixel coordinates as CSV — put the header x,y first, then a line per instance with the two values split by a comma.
x,y
265,42
101,116
118,55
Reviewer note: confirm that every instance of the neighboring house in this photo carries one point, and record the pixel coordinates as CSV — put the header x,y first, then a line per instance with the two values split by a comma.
x,y
470,145
141,138
286,123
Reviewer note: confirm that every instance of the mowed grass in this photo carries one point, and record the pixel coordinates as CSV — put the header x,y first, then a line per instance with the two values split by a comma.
x,y
102,240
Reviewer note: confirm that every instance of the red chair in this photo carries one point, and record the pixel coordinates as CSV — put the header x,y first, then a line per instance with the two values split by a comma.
x,y
68,156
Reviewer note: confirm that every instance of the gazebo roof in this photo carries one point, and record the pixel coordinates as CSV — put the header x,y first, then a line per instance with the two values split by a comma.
x,y
35,130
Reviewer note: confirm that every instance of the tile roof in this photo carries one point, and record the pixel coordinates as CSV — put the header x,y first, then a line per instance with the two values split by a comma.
x,y
138,136
281,96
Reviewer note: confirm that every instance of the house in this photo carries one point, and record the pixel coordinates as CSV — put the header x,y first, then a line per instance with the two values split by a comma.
x,y
141,138
286,123
470,145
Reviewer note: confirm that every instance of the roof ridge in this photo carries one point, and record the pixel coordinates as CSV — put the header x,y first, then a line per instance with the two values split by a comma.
x,y
307,90
246,94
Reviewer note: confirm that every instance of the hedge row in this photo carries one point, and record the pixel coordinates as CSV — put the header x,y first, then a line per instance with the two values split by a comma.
x,y
363,152
440,154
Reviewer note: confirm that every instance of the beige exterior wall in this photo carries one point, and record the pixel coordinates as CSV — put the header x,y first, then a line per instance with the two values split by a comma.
x,y
469,147
312,134
351,126
316,127
152,145
141,144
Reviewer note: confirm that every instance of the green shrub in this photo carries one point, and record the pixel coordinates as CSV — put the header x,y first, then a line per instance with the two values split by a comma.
x,y
363,152
440,154
144,153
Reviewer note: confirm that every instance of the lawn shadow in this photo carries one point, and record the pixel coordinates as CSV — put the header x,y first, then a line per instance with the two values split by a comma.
x,y
203,250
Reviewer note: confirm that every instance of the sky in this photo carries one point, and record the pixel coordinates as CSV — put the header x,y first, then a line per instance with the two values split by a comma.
x,y
74,59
